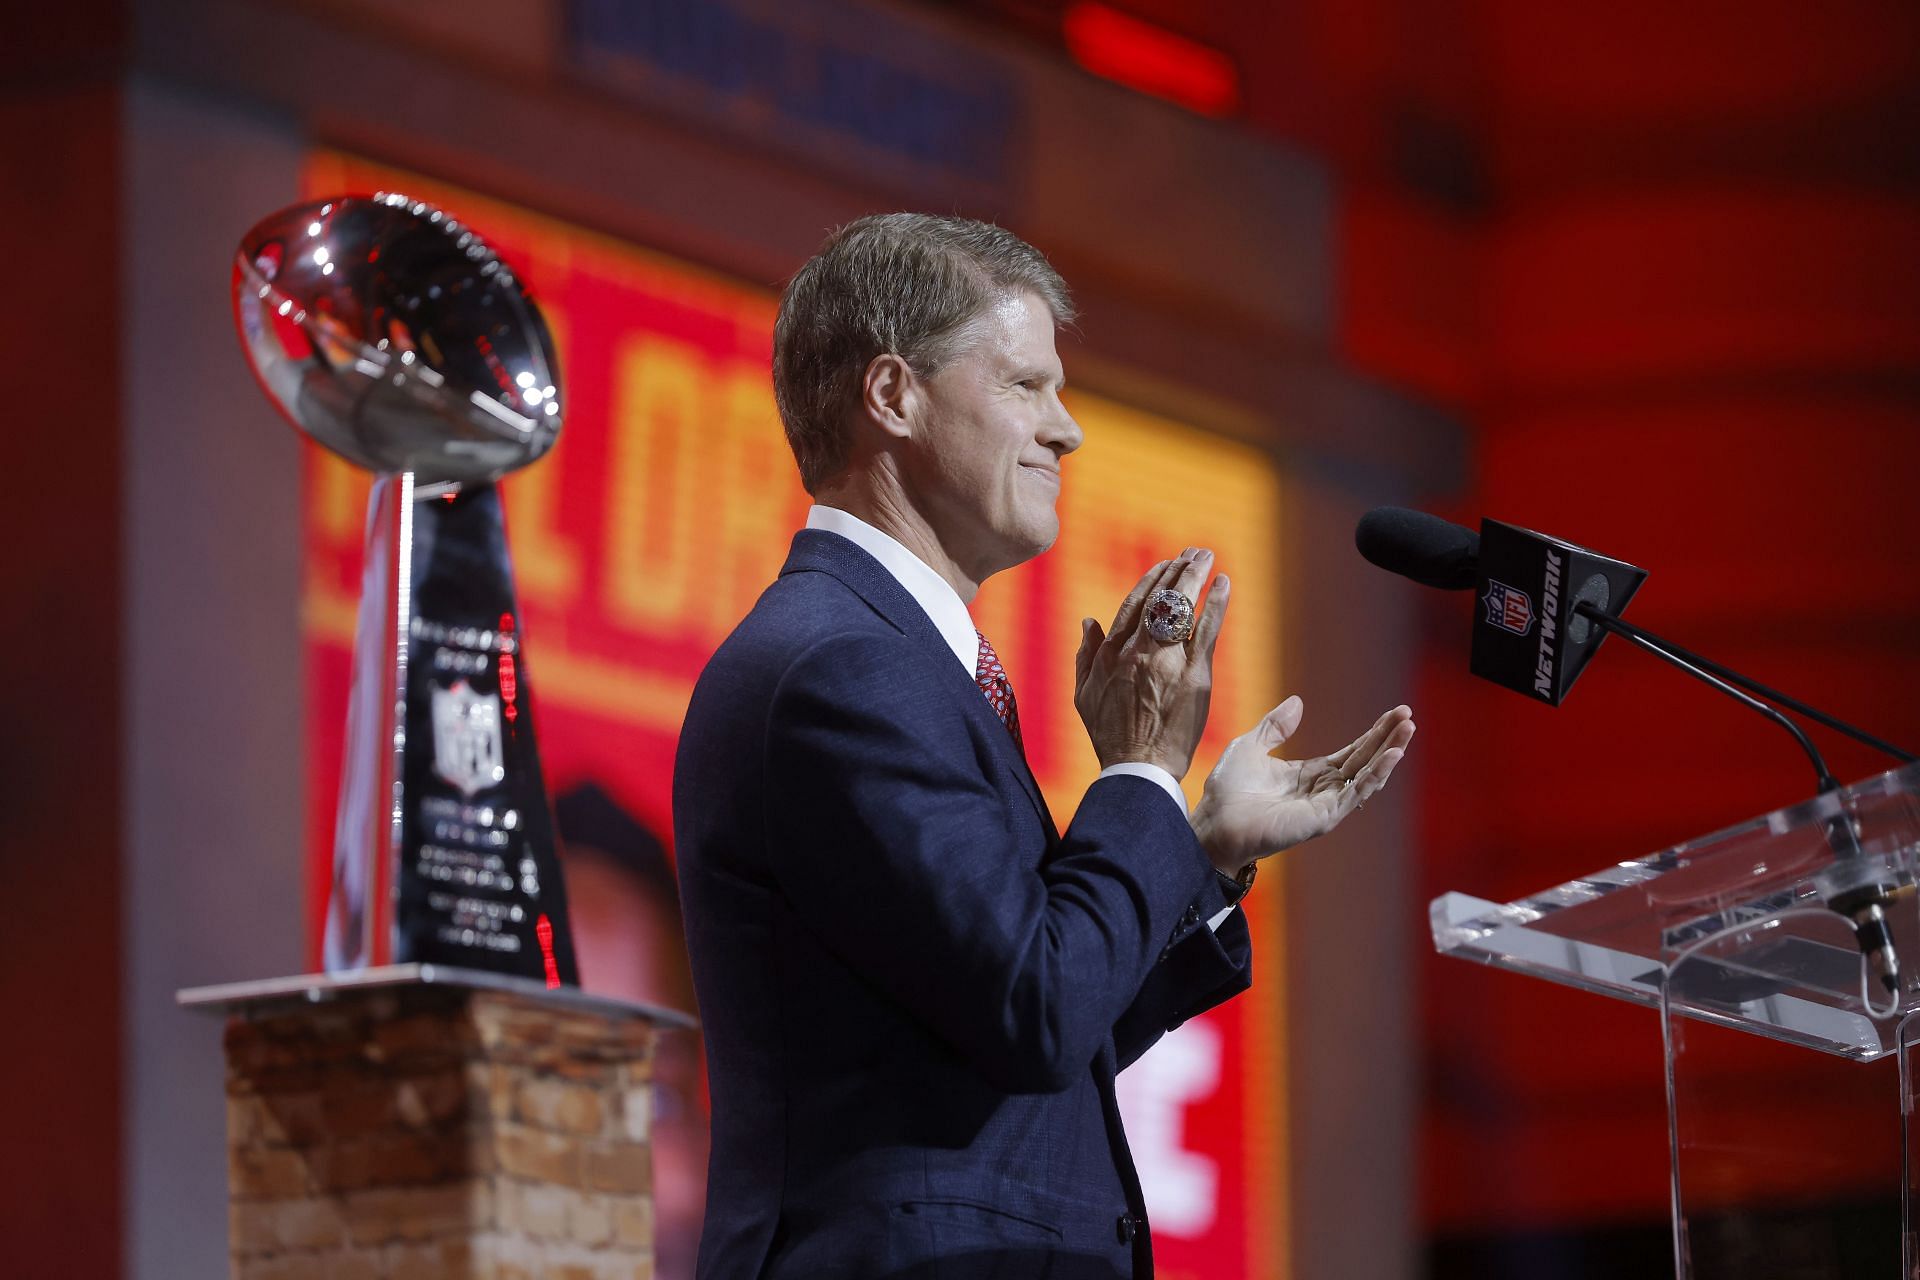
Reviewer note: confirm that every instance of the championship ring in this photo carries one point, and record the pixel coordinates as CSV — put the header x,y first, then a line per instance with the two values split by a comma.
x,y
1169,616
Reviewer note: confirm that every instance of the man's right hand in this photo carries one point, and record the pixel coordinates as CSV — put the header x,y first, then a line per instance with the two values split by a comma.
x,y
1141,700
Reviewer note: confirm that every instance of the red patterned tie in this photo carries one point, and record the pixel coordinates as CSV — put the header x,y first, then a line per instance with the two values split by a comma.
x,y
992,679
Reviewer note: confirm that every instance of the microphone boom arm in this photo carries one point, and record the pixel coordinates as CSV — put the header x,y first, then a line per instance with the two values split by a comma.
x,y
1636,634
1671,655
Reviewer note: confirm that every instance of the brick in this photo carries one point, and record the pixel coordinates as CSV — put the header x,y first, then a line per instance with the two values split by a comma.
x,y
268,1226
506,1206
253,1051
438,1260
266,1173
518,1258
601,1266
636,1113
283,1266
303,1076
421,1157
251,1054
632,1221
416,1213
246,1117
250,1228
543,1157
489,1087
418,1039
276,1119
384,1006
356,1265
344,1166
548,1103
578,1067
353,1106
590,1220
321,1023
544,1210
431,1101
617,1040
393,1159
308,1224
481,1156
584,1110
618,1166
502,1023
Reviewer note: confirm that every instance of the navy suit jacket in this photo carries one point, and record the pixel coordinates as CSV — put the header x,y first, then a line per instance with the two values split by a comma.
x,y
916,992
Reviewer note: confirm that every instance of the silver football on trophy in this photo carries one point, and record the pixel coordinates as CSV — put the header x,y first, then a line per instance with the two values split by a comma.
x,y
397,338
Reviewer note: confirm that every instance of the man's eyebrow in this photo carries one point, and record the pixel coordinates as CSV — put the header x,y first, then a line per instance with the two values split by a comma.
x,y
1025,373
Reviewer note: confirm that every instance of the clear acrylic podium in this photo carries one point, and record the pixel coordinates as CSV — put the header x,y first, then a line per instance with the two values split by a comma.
x,y
1791,1070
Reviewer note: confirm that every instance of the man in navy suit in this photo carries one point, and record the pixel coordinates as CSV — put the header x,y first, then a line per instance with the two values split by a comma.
x,y
916,990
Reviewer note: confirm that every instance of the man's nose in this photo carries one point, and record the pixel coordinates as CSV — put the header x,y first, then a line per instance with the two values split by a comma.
x,y
1062,434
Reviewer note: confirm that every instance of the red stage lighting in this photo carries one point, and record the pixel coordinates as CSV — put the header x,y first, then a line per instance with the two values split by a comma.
x,y
1151,59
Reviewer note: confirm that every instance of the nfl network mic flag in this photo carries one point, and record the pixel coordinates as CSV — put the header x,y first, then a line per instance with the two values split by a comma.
x,y
1526,635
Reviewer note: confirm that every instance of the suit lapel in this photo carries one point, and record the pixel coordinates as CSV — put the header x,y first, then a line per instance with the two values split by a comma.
x,y
820,551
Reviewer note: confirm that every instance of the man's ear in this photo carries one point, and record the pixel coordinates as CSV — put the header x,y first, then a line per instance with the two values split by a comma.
x,y
887,394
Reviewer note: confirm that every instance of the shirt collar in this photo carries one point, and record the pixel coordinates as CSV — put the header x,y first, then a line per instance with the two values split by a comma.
x,y
933,593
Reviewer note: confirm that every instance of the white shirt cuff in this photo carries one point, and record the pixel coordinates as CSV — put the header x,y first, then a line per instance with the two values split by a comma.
x,y
1152,773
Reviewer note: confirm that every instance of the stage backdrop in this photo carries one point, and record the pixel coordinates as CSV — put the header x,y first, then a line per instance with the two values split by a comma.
x,y
667,507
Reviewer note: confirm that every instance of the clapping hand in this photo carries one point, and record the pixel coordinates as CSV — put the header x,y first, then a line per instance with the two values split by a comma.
x,y
1141,699
1256,804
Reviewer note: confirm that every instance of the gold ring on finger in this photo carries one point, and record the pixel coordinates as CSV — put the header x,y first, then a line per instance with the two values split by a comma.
x,y
1169,616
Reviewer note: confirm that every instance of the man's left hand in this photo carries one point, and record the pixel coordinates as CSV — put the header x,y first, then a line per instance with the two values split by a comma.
x,y
1256,804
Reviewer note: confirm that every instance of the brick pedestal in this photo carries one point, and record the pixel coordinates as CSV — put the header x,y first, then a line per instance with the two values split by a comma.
x,y
388,1131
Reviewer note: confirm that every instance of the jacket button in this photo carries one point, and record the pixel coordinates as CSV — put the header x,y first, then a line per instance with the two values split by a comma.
x,y
1125,1227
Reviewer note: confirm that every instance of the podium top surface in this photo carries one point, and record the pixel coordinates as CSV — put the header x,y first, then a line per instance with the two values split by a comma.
x,y
1750,927
314,988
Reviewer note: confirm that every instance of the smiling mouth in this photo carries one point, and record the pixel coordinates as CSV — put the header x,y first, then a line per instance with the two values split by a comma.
x,y
1048,472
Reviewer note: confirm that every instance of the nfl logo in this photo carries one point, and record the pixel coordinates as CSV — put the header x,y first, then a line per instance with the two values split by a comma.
x,y
1508,608
466,738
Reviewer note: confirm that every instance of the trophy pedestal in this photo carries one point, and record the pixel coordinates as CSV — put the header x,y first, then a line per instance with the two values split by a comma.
x,y
421,1120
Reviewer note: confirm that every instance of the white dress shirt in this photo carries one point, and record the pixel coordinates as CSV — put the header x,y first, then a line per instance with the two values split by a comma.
x,y
937,598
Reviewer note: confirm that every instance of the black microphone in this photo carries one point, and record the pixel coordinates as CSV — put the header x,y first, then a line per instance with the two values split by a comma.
x,y
1440,553
1547,605
1532,636
1431,551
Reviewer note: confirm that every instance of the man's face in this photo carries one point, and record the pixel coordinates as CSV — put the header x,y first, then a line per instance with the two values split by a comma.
x,y
989,439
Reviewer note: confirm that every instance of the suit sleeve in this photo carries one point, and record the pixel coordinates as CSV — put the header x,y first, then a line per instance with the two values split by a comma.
x,y
1199,969
891,840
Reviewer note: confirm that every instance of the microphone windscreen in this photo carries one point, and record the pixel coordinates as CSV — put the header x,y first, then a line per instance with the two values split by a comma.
x,y
1431,551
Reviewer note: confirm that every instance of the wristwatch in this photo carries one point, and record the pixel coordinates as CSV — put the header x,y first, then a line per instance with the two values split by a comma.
x,y
1235,886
